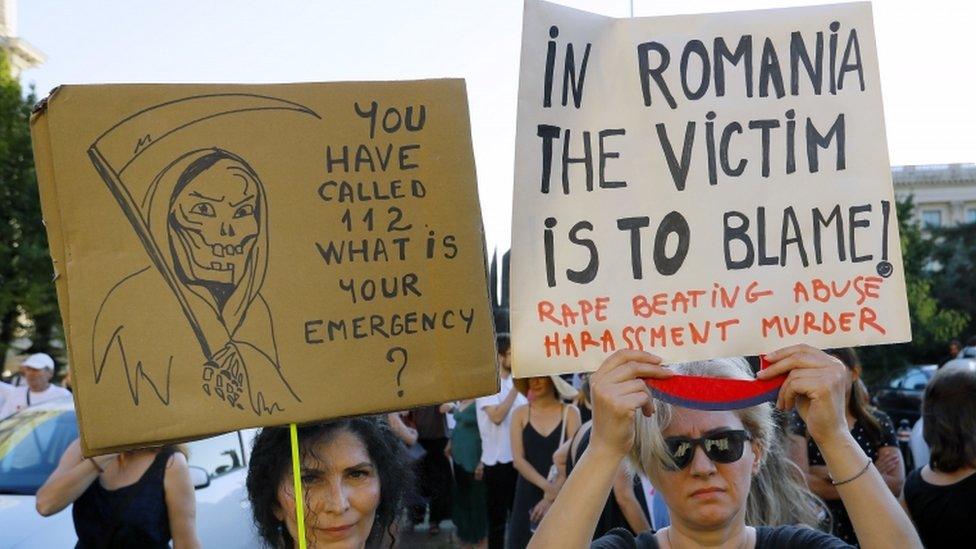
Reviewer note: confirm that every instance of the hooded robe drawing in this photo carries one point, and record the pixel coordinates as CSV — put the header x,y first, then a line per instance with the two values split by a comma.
x,y
206,224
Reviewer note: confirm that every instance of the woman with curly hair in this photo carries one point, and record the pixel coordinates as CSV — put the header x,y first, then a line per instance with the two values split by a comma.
x,y
354,479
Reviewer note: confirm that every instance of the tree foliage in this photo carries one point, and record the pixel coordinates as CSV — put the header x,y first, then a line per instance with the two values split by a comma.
x,y
953,254
934,320
28,304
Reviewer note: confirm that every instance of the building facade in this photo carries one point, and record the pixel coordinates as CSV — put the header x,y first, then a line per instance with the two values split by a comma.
x,y
944,194
21,53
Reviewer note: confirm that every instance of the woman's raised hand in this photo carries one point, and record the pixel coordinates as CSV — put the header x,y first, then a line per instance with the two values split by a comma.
x,y
816,384
618,390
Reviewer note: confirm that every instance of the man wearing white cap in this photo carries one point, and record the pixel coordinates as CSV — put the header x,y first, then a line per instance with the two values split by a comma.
x,y
37,369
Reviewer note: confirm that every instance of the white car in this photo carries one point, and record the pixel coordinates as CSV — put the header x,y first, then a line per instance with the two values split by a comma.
x,y
31,444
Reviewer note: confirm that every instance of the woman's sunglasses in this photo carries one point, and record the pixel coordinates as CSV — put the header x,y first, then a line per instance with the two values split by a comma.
x,y
723,447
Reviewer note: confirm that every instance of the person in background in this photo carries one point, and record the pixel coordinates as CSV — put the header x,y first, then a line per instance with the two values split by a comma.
x,y
583,400
433,469
704,462
622,509
404,432
955,347
37,369
470,515
139,498
66,381
538,429
941,496
354,476
874,433
494,415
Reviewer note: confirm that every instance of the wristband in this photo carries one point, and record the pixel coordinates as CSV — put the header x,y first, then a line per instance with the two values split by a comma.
x,y
95,463
861,472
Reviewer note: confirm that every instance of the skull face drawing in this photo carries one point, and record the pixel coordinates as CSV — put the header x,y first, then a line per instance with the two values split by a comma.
x,y
208,227
214,220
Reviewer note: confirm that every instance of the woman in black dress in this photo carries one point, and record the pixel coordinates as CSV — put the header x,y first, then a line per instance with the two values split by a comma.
x,y
538,429
139,498
941,496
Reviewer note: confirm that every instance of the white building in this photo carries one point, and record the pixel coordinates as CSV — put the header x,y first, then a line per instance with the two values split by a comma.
x,y
21,54
944,194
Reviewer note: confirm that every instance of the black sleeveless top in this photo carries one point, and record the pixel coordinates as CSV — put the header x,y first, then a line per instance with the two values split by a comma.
x,y
943,515
612,516
131,516
539,449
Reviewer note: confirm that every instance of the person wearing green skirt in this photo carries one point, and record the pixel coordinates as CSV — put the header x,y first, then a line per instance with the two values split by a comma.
x,y
470,514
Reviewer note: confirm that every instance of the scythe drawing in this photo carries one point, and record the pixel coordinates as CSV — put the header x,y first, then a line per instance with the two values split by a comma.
x,y
203,222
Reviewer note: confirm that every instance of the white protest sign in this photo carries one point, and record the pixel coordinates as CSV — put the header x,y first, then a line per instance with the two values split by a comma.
x,y
700,186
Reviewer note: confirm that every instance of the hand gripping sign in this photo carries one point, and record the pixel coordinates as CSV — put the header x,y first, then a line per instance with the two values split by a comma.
x,y
701,186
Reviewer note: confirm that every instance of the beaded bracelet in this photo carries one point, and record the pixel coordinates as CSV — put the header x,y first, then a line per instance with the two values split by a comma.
x,y
861,472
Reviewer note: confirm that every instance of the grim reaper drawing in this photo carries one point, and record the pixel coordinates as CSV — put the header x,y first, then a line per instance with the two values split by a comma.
x,y
203,221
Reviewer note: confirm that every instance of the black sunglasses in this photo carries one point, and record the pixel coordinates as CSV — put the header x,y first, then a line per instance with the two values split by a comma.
x,y
722,447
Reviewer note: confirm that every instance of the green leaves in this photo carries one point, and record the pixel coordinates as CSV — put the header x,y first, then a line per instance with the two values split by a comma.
x,y
28,303
941,292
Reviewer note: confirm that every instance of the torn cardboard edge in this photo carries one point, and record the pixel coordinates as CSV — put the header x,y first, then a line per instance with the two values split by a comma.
x,y
51,216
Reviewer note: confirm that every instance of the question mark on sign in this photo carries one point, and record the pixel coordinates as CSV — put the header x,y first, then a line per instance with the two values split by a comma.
x,y
390,359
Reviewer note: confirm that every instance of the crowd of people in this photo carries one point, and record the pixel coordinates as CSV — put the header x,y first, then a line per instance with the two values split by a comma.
x,y
588,461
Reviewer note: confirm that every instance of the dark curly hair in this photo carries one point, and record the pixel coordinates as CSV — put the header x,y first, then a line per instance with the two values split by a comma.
x,y
271,462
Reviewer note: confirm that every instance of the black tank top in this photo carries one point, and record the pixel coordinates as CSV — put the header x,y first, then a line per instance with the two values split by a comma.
x,y
539,449
131,516
943,515
612,516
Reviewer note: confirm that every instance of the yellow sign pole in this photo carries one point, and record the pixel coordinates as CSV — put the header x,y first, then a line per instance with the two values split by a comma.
x,y
296,468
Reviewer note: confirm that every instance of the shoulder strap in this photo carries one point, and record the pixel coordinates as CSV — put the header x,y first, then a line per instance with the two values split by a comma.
x,y
115,525
575,443
562,431
162,458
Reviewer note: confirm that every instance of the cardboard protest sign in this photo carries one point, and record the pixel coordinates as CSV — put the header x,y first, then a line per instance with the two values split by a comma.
x,y
700,186
230,256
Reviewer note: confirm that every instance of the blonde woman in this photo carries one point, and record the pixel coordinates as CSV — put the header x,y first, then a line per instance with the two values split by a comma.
x,y
703,462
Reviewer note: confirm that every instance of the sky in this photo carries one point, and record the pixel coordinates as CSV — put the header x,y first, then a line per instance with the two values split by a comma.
x,y
922,47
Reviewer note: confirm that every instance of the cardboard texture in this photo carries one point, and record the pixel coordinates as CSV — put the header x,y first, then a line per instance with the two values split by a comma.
x,y
231,256
700,186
